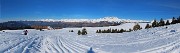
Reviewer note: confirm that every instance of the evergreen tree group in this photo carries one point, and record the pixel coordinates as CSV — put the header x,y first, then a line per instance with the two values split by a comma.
x,y
167,22
178,20
79,32
112,31
137,27
148,26
71,31
155,24
162,23
83,32
173,20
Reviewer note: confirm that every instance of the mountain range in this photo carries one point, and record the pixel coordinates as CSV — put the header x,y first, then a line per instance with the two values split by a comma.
x,y
64,23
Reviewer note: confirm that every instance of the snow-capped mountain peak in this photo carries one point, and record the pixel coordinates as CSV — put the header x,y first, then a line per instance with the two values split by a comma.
x,y
109,19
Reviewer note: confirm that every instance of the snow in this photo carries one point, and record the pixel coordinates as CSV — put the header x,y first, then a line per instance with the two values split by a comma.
x,y
154,40
109,19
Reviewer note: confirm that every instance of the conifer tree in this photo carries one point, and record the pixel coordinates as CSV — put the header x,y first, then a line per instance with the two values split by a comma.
x,y
155,24
109,31
130,30
97,31
100,31
167,22
118,31
136,27
84,32
178,20
113,31
173,20
147,26
79,32
72,31
121,31
161,23
103,31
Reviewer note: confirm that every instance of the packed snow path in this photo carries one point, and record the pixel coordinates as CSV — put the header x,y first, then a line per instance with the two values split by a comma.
x,y
154,40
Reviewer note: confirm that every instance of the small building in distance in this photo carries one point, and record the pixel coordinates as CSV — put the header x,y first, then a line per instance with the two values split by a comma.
x,y
50,28
39,27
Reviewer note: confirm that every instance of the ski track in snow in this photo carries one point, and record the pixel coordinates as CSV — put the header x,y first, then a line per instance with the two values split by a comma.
x,y
154,40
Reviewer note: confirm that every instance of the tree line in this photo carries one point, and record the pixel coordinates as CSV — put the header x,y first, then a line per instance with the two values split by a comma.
x,y
113,30
138,27
163,23
135,27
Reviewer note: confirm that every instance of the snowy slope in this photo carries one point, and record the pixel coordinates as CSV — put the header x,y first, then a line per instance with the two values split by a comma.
x,y
154,40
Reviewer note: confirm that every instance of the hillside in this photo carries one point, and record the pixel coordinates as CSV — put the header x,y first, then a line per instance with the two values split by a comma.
x,y
154,40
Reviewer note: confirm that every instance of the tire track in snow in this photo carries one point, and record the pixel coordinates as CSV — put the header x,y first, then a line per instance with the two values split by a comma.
x,y
160,35
53,47
48,45
166,35
80,48
74,46
18,47
64,44
163,49
30,46
61,45
24,46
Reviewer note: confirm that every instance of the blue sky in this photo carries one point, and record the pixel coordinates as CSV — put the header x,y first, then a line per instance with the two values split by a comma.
x,y
59,9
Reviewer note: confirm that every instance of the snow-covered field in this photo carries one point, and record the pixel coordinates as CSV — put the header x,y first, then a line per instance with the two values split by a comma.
x,y
154,40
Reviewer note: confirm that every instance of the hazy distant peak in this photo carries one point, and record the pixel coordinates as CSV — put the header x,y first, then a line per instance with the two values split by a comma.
x,y
109,19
